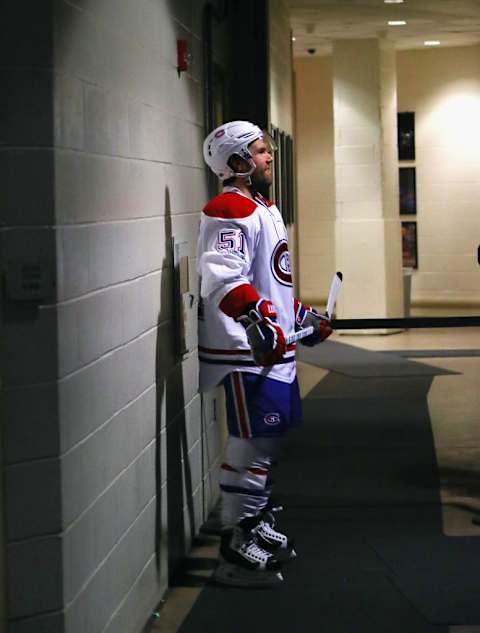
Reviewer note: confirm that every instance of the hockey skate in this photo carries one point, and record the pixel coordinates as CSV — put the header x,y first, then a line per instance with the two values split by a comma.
x,y
270,539
243,563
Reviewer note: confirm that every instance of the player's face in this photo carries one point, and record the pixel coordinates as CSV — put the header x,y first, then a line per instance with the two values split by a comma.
x,y
262,158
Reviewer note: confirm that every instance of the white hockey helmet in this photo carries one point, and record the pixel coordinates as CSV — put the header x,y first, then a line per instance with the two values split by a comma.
x,y
230,139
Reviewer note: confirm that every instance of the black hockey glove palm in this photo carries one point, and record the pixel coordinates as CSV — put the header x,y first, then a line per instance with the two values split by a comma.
x,y
265,336
306,316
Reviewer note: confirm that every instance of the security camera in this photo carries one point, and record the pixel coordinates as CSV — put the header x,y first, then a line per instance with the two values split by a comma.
x,y
311,51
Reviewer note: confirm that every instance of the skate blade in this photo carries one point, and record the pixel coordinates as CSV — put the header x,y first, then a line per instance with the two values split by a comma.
x,y
290,555
284,555
234,576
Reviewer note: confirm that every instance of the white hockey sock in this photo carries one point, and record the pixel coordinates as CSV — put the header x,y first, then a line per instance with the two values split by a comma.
x,y
243,477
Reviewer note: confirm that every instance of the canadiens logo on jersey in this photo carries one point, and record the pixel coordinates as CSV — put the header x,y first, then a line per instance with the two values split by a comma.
x,y
280,264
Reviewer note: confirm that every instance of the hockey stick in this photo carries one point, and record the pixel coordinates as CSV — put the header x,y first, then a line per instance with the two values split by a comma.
x,y
333,294
296,336
332,298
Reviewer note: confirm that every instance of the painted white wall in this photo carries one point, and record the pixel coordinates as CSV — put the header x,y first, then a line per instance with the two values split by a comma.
x,y
280,66
442,87
111,465
281,97
315,176
367,226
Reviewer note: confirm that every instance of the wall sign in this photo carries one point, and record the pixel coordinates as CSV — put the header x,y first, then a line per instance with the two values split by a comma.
x,y
406,135
409,245
408,194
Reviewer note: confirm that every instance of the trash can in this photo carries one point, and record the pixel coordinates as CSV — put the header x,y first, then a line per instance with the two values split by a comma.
x,y
407,291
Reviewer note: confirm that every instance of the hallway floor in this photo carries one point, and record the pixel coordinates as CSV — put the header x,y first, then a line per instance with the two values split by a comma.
x,y
381,490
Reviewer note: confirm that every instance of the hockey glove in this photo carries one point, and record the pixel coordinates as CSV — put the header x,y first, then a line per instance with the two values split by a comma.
x,y
306,316
265,336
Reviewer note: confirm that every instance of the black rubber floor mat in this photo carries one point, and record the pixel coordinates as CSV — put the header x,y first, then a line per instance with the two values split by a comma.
x,y
362,363
437,353
360,486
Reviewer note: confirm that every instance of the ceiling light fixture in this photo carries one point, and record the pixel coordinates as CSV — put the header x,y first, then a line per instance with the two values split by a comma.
x,y
294,39
393,1
432,43
396,23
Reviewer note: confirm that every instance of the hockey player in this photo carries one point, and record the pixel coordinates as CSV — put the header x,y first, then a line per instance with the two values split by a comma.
x,y
247,308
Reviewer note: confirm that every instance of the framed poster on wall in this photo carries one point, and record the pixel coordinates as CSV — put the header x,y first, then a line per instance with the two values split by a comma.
x,y
282,150
406,135
409,245
290,181
408,194
276,169
283,186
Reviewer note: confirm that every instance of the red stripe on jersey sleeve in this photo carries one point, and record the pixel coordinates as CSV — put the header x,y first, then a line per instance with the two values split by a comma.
x,y
236,301
258,471
230,206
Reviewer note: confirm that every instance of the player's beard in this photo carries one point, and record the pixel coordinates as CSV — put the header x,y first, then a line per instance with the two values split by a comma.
x,y
262,178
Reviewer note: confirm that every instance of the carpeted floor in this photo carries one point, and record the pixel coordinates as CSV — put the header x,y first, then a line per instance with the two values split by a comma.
x,y
361,363
360,485
438,353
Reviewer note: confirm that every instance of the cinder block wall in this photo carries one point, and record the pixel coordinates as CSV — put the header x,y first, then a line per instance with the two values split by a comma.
x,y
442,87
281,113
111,455
280,66
316,177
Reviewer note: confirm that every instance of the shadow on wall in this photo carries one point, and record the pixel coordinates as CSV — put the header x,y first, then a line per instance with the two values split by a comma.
x,y
173,473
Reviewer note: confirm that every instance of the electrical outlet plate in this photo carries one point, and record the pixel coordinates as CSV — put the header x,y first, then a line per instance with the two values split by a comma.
x,y
184,298
29,281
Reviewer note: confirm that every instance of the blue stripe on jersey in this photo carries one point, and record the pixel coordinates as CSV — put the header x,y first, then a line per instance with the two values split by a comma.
x,y
243,363
261,201
243,491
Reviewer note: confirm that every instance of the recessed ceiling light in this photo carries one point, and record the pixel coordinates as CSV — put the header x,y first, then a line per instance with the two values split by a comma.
x,y
396,23
294,39
432,43
393,1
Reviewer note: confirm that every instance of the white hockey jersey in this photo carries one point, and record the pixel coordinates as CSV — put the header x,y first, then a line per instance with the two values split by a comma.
x,y
242,240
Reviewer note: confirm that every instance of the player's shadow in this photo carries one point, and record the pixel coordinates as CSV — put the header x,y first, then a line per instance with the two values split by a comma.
x,y
174,509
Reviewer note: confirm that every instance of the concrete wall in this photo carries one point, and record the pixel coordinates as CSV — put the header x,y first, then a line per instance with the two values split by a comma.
x,y
281,101
368,236
316,177
442,87
3,571
280,66
111,453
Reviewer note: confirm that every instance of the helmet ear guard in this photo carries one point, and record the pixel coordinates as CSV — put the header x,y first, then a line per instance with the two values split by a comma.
x,y
241,166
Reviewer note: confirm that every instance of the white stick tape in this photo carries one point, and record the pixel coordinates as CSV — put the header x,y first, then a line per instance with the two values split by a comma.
x,y
333,294
296,336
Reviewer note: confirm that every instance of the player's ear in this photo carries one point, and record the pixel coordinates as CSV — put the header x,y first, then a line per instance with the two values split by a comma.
x,y
238,164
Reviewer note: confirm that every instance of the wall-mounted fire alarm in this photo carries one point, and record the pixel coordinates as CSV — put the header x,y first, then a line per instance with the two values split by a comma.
x,y
183,56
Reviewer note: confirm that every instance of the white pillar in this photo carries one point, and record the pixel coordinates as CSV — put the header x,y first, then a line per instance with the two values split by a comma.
x,y
368,236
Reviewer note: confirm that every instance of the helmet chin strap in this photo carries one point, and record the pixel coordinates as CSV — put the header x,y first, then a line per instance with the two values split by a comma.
x,y
245,177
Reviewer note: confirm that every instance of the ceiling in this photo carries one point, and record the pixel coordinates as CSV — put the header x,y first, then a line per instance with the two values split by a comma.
x,y
315,23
